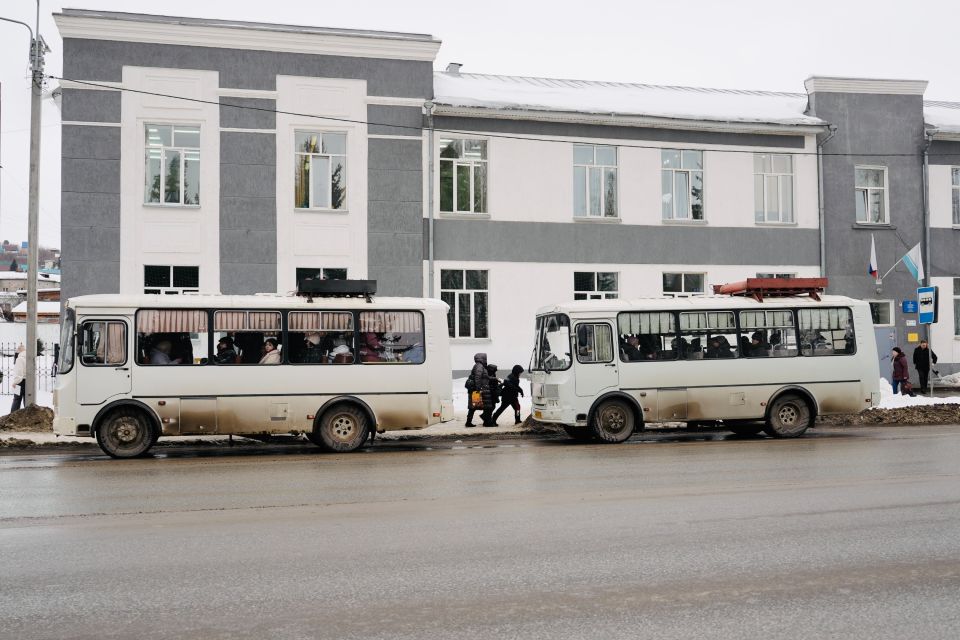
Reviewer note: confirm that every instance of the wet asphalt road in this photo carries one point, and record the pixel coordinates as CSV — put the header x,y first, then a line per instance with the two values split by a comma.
x,y
845,534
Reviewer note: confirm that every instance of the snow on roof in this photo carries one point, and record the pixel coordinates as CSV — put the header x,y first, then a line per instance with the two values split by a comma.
x,y
621,99
22,275
945,116
43,306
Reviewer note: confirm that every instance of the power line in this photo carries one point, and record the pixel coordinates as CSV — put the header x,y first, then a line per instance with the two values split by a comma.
x,y
505,136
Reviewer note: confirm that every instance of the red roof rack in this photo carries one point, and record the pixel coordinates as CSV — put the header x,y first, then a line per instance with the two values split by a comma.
x,y
758,288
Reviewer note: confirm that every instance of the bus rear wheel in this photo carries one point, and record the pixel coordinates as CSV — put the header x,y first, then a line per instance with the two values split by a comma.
x,y
126,433
613,421
342,429
790,416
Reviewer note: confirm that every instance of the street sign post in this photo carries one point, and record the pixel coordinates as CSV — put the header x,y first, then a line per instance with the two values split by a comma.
x,y
927,305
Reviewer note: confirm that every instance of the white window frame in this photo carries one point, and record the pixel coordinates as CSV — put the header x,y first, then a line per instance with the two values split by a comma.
x,y
483,162
163,162
885,190
688,214
171,290
684,293
956,308
595,293
781,177
328,206
955,194
603,168
891,305
455,308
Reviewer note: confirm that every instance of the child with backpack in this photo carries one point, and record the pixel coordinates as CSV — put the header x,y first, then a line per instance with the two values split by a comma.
x,y
510,393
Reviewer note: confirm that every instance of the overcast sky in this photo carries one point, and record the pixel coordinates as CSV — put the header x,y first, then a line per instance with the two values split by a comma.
x,y
746,44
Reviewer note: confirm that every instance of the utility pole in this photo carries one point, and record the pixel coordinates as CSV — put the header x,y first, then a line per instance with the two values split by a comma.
x,y
37,50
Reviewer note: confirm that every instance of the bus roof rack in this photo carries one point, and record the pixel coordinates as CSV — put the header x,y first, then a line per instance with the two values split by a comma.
x,y
758,288
324,288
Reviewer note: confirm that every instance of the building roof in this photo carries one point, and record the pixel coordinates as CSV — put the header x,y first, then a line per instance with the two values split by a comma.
x,y
945,116
238,24
517,93
44,307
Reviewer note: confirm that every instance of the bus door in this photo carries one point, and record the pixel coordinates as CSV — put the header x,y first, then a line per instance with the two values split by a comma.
x,y
597,366
104,371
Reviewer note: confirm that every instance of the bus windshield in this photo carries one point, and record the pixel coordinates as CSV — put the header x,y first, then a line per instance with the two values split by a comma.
x,y
551,350
67,350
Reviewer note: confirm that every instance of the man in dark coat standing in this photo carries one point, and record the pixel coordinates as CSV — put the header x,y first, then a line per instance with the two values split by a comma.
x,y
922,357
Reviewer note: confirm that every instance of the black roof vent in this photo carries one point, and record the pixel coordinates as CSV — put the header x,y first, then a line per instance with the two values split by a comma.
x,y
325,288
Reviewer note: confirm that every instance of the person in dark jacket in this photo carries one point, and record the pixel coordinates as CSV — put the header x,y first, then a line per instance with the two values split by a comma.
x,y
901,371
479,380
922,356
496,387
509,397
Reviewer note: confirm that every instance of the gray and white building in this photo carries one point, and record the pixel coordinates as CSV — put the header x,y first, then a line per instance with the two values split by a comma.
x,y
219,156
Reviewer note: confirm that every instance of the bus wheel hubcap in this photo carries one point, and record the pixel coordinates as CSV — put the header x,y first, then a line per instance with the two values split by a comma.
x,y
343,427
788,414
614,420
126,431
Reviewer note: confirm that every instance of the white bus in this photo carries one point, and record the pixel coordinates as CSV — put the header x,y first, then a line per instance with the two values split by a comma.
x,y
339,370
604,368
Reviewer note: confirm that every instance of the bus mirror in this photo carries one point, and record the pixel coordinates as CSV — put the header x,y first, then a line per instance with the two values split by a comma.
x,y
546,363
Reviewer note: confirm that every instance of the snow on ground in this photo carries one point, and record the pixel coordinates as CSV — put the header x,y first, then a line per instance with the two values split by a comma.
x,y
890,401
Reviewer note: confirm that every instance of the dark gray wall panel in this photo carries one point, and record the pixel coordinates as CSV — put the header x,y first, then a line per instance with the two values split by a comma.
x,y
254,180
395,215
84,277
248,148
99,210
398,281
531,127
395,186
243,69
404,155
394,121
945,152
246,278
248,246
395,249
945,252
617,243
248,113
90,105
101,143
248,213
91,243
90,175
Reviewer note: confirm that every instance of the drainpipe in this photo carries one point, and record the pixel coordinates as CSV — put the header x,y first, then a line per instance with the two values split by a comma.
x,y
428,106
822,212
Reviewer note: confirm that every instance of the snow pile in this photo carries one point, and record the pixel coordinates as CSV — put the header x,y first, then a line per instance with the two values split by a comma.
x,y
890,401
617,98
952,379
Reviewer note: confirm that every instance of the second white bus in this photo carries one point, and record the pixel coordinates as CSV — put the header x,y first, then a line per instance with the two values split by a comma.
x,y
604,368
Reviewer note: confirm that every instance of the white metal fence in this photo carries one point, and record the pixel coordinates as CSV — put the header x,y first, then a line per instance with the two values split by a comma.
x,y
46,367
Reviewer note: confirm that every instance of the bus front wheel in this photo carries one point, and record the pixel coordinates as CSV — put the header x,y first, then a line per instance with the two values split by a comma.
x,y
613,421
342,429
789,417
126,433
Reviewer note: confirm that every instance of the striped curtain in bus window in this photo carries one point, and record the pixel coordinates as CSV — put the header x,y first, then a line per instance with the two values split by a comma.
x,y
304,320
334,321
229,321
116,343
391,321
824,319
321,321
172,321
263,321
268,321
645,323
766,319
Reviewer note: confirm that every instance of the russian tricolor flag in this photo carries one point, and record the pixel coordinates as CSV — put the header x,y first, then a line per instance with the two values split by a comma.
x,y
872,268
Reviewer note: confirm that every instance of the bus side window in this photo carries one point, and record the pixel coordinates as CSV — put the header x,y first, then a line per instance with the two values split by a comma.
x,y
647,335
826,331
103,343
594,343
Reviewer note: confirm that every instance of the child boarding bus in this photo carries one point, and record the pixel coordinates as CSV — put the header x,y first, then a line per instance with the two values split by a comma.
x,y
338,369
766,359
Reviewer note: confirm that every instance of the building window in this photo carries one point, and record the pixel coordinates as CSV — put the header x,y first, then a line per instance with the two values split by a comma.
x,y
165,279
682,181
172,165
682,285
956,306
326,273
465,290
773,187
320,170
588,285
882,312
955,181
594,181
463,176
871,191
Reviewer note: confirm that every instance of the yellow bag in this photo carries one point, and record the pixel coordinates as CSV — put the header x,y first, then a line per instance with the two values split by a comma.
x,y
476,400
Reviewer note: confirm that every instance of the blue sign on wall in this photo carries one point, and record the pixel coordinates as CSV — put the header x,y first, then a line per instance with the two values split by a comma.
x,y
927,297
910,306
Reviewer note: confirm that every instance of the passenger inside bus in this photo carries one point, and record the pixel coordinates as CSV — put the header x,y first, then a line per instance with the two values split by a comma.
x,y
226,352
160,354
271,352
631,349
759,347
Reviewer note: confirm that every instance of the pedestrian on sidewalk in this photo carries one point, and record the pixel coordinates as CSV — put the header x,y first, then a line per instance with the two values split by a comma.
x,y
19,378
901,372
479,380
922,356
495,388
509,397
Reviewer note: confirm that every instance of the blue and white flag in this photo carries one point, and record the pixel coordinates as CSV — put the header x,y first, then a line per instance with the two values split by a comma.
x,y
914,263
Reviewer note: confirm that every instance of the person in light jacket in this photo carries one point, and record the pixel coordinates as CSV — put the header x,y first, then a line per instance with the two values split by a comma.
x,y
271,355
18,384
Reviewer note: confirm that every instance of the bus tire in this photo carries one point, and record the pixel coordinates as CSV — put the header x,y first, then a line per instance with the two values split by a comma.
x,y
126,432
343,428
580,434
613,421
747,429
789,417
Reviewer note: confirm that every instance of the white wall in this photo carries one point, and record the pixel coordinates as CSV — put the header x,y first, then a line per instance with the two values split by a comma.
x,y
943,338
532,180
163,234
316,239
941,196
517,290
